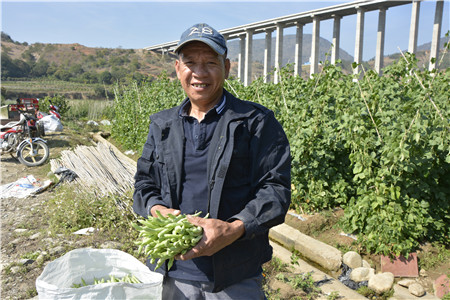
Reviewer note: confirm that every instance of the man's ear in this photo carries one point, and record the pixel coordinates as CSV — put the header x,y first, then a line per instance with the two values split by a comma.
x,y
177,67
227,67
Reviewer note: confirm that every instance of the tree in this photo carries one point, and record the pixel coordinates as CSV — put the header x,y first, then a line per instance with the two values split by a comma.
x,y
40,68
105,77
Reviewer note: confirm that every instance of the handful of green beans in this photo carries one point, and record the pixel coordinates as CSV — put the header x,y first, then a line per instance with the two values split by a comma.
x,y
112,278
163,238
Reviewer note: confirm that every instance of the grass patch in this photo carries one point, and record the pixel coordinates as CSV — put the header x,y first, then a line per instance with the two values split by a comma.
x,y
370,294
71,209
90,110
437,255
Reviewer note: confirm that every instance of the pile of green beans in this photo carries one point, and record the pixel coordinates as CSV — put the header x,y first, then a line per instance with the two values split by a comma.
x,y
162,238
112,278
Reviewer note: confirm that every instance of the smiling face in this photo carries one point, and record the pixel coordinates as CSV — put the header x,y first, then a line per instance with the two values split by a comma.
x,y
202,73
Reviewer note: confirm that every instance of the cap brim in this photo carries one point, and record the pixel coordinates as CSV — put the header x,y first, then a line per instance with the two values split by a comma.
x,y
218,49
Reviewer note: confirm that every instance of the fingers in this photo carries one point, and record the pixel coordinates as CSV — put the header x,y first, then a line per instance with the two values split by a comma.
x,y
193,253
164,211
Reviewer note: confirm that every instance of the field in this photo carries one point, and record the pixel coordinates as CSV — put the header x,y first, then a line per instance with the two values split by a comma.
x,y
42,88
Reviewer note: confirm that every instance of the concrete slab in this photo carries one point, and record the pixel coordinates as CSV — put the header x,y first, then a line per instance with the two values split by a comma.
x,y
333,285
402,293
323,254
400,266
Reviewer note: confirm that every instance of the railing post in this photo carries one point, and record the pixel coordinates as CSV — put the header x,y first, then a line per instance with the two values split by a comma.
x,y
336,39
414,27
379,56
359,38
315,45
298,49
434,52
268,55
278,52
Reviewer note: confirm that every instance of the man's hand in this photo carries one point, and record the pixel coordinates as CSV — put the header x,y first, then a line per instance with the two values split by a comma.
x,y
164,211
217,234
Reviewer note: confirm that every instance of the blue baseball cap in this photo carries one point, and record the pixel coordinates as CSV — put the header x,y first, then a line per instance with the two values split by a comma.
x,y
203,33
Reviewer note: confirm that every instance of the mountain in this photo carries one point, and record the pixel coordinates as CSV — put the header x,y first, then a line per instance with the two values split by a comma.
x,y
288,49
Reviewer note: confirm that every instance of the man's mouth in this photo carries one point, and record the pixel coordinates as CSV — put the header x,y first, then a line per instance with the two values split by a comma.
x,y
199,85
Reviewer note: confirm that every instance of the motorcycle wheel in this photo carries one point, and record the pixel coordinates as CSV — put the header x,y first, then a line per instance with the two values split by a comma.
x,y
33,156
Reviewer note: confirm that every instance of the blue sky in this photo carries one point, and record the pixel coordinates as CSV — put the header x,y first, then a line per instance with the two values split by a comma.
x,y
137,24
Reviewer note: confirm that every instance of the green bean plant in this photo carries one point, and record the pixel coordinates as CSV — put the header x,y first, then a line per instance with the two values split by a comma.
x,y
376,146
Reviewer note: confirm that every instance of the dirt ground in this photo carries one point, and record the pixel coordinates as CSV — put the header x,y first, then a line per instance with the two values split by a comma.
x,y
23,224
24,227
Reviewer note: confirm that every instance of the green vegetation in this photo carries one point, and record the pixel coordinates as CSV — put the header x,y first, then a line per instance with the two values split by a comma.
x,y
370,294
377,146
437,255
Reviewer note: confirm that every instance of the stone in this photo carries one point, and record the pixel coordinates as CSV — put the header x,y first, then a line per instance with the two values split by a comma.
x,y
35,236
361,274
40,259
365,264
352,259
382,282
400,266
416,289
441,286
423,273
57,250
406,282
20,230
25,261
16,241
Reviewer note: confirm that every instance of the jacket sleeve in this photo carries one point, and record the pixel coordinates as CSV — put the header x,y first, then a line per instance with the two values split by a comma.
x,y
271,178
147,186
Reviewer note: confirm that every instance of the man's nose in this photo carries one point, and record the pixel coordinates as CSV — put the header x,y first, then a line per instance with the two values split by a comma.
x,y
201,70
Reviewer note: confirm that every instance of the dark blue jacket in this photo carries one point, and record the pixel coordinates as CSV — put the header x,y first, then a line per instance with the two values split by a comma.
x,y
249,166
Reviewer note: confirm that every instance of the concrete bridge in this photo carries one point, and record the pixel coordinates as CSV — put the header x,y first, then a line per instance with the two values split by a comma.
x,y
245,35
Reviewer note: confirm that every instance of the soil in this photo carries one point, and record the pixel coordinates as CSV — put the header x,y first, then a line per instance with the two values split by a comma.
x,y
18,279
24,226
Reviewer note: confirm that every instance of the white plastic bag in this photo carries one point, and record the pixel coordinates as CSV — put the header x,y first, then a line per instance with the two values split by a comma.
x,y
51,123
58,276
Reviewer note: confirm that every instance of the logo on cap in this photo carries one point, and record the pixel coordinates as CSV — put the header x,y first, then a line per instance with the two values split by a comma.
x,y
205,30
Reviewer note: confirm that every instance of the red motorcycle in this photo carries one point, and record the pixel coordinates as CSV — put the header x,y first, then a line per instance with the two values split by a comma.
x,y
23,138
52,110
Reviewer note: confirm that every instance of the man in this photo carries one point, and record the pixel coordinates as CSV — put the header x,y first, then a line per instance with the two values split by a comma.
x,y
218,155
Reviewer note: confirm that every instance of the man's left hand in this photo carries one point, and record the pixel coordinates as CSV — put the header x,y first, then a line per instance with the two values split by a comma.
x,y
217,234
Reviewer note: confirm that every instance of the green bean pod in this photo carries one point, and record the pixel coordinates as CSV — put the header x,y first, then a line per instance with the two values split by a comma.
x,y
162,238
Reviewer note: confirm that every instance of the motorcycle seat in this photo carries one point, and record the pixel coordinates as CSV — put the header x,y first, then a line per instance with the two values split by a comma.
x,y
9,125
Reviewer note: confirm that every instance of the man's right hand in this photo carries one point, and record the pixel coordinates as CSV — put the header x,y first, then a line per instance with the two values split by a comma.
x,y
164,211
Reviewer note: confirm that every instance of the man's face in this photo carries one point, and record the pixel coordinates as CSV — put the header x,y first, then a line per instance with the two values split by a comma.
x,y
202,73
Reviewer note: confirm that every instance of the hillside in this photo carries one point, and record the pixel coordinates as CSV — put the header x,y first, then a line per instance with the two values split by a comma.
x,y
75,62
